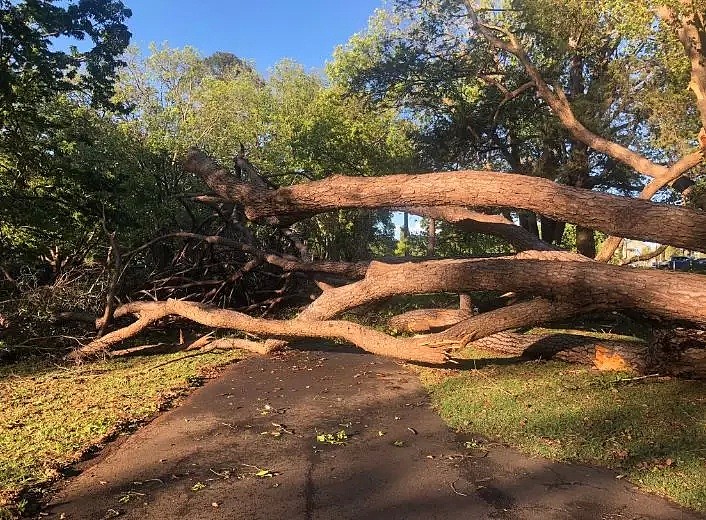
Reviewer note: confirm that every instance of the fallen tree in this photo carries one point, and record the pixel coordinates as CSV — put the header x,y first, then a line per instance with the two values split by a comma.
x,y
567,284
587,286
548,285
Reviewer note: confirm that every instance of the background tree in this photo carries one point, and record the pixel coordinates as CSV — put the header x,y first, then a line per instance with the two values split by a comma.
x,y
474,105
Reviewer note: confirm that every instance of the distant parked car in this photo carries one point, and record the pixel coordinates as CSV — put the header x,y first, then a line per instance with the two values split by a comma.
x,y
680,263
699,265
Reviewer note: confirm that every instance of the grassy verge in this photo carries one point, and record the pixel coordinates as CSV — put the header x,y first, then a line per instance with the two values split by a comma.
x,y
51,415
652,431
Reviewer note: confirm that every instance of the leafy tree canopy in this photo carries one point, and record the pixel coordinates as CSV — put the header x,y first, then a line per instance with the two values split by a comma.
x,y
32,66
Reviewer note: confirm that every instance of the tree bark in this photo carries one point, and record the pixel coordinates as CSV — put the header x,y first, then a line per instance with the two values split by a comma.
x,y
561,276
638,219
572,348
673,354
431,237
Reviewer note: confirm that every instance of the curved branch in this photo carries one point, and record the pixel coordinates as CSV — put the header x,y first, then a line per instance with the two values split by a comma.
x,y
615,215
564,277
557,101
476,222
646,256
414,349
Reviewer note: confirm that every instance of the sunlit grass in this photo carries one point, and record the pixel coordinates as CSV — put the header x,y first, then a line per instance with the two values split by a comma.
x,y
50,415
652,431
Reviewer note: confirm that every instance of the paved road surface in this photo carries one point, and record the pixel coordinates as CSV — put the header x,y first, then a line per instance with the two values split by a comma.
x,y
200,460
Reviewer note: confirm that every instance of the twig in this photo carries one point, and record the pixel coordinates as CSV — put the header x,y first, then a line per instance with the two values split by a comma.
x,y
637,378
453,488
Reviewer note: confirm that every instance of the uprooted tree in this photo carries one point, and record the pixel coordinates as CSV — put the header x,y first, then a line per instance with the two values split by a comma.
x,y
546,284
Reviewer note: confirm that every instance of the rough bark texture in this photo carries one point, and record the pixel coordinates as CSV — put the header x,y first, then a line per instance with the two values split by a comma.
x,y
691,32
427,320
631,218
558,276
524,314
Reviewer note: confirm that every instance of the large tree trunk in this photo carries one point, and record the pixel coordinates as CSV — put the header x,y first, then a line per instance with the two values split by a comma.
x,y
573,348
679,354
631,218
561,276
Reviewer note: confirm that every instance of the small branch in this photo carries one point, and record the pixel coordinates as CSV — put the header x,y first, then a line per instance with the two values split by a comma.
x,y
646,256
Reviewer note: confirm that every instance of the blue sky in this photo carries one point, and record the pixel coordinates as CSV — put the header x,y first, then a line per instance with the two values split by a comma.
x,y
261,30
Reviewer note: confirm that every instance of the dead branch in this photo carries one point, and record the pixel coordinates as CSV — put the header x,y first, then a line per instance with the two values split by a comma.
x,y
368,339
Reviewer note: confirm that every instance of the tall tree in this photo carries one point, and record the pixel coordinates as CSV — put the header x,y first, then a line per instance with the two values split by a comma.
x,y
613,64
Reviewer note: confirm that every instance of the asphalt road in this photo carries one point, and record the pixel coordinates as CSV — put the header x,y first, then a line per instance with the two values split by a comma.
x,y
399,460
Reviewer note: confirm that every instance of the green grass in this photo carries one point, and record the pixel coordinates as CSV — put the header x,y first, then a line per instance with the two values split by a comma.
x,y
51,415
652,431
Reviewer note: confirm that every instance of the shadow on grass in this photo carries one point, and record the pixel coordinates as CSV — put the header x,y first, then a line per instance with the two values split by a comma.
x,y
652,431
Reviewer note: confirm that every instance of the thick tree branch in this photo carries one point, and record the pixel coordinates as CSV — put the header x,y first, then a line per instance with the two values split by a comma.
x,y
561,107
612,243
562,277
681,227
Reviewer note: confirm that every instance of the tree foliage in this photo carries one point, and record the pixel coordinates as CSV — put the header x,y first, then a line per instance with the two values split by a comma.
x,y
33,70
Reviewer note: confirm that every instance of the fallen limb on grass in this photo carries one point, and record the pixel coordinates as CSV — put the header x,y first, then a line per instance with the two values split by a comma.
x,y
412,349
